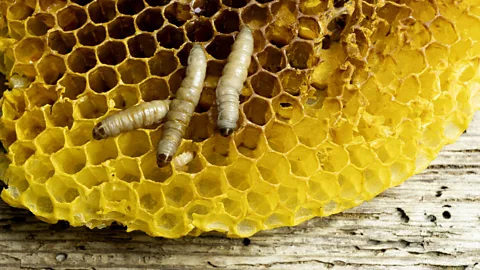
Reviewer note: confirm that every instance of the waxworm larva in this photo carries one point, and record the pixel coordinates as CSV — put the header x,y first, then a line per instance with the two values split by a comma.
x,y
18,81
183,106
231,82
142,115
183,159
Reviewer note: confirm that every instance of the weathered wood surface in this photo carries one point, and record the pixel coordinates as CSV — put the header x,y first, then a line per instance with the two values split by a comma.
x,y
432,221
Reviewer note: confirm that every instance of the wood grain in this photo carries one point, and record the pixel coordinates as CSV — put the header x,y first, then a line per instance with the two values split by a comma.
x,y
432,221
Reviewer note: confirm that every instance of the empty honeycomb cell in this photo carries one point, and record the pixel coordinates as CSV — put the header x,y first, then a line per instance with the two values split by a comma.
x,y
92,176
150,19
171,222
227,22
51,5
69,160
121,27
171,37
74,85
127,169
272,59
290,197
265,85
409,89
179,193
333,159
258,111
293,82
100,151
248,227
151,171
44,205
51,141
280,137
251,142
415,64
361,156
261,203
154,89
16,30
351,181
91,35
163,63
234,207
211,183
376,178
29,50
241,174
71,18
183,54
63,189
200,128
119,193
17,182
112,53
20,10
30,125
177,13
14,104
443,30
220,47
308,28
51,69
300,55
40,167
198,208
273,167
200,30
60,42
92,106
82,60
256,16
22,152
38,96
323,186
311,132
176,79
124,96
134,143
130,7
133,71
281,36
40,24
150,196
80,133
61,114
207,100
103,79
219,151
303,161
142,46
102,11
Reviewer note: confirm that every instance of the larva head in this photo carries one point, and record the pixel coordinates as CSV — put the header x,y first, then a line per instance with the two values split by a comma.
x,y
225,132
163,160
98,132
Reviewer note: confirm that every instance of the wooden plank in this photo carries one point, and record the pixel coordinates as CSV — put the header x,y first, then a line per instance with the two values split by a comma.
x,y
432,221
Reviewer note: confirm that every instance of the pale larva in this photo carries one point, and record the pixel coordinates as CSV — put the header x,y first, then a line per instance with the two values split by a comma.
x,y
231,83
142,115
182,160
18,81
183,106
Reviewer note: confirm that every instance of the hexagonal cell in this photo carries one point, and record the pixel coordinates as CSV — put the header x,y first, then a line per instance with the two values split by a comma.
x,y
14,104
179,192
60,42
414,63
69,160
40,24
242,174
127,169
251,142
121,27
258,111
219,150
80,133
150,20
100,151
134,144
16,30
40,167
102,79
116,192
71,18
61,114
92,176
301,56
273,167
150,195
350,180
199,30
29,50
261,204
22,151
265,85
311,132
280,36
82,60
124,96
303,161
74,85
154,89
52,5
30,125
51,69
20,10
235,3
308,28
361,156
200,128
142,46
163,63
43,204
177,13
287,109
377,178
176,79
272,59
198,208
443,30
51,141
171,37
280,137
323,186
197,164
294,82
227,22
63,189
151,171
133,71
112,53
389,151
39,96
170,223
130,7
206,8
91,35
313,7
256,16
92,106
220,47
102,11
210,183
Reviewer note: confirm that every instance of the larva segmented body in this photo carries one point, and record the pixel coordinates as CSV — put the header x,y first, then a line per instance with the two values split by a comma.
x,y
231,83
183,106
18,81
183,159
142,115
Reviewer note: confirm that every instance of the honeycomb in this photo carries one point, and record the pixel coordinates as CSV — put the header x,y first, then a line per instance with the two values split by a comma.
x,y
344,99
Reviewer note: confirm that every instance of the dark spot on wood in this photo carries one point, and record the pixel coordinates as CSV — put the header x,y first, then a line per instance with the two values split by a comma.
x,y
212,265
80,247
444,187
438,194
403,216
446,215
246,241
432,218
447,206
